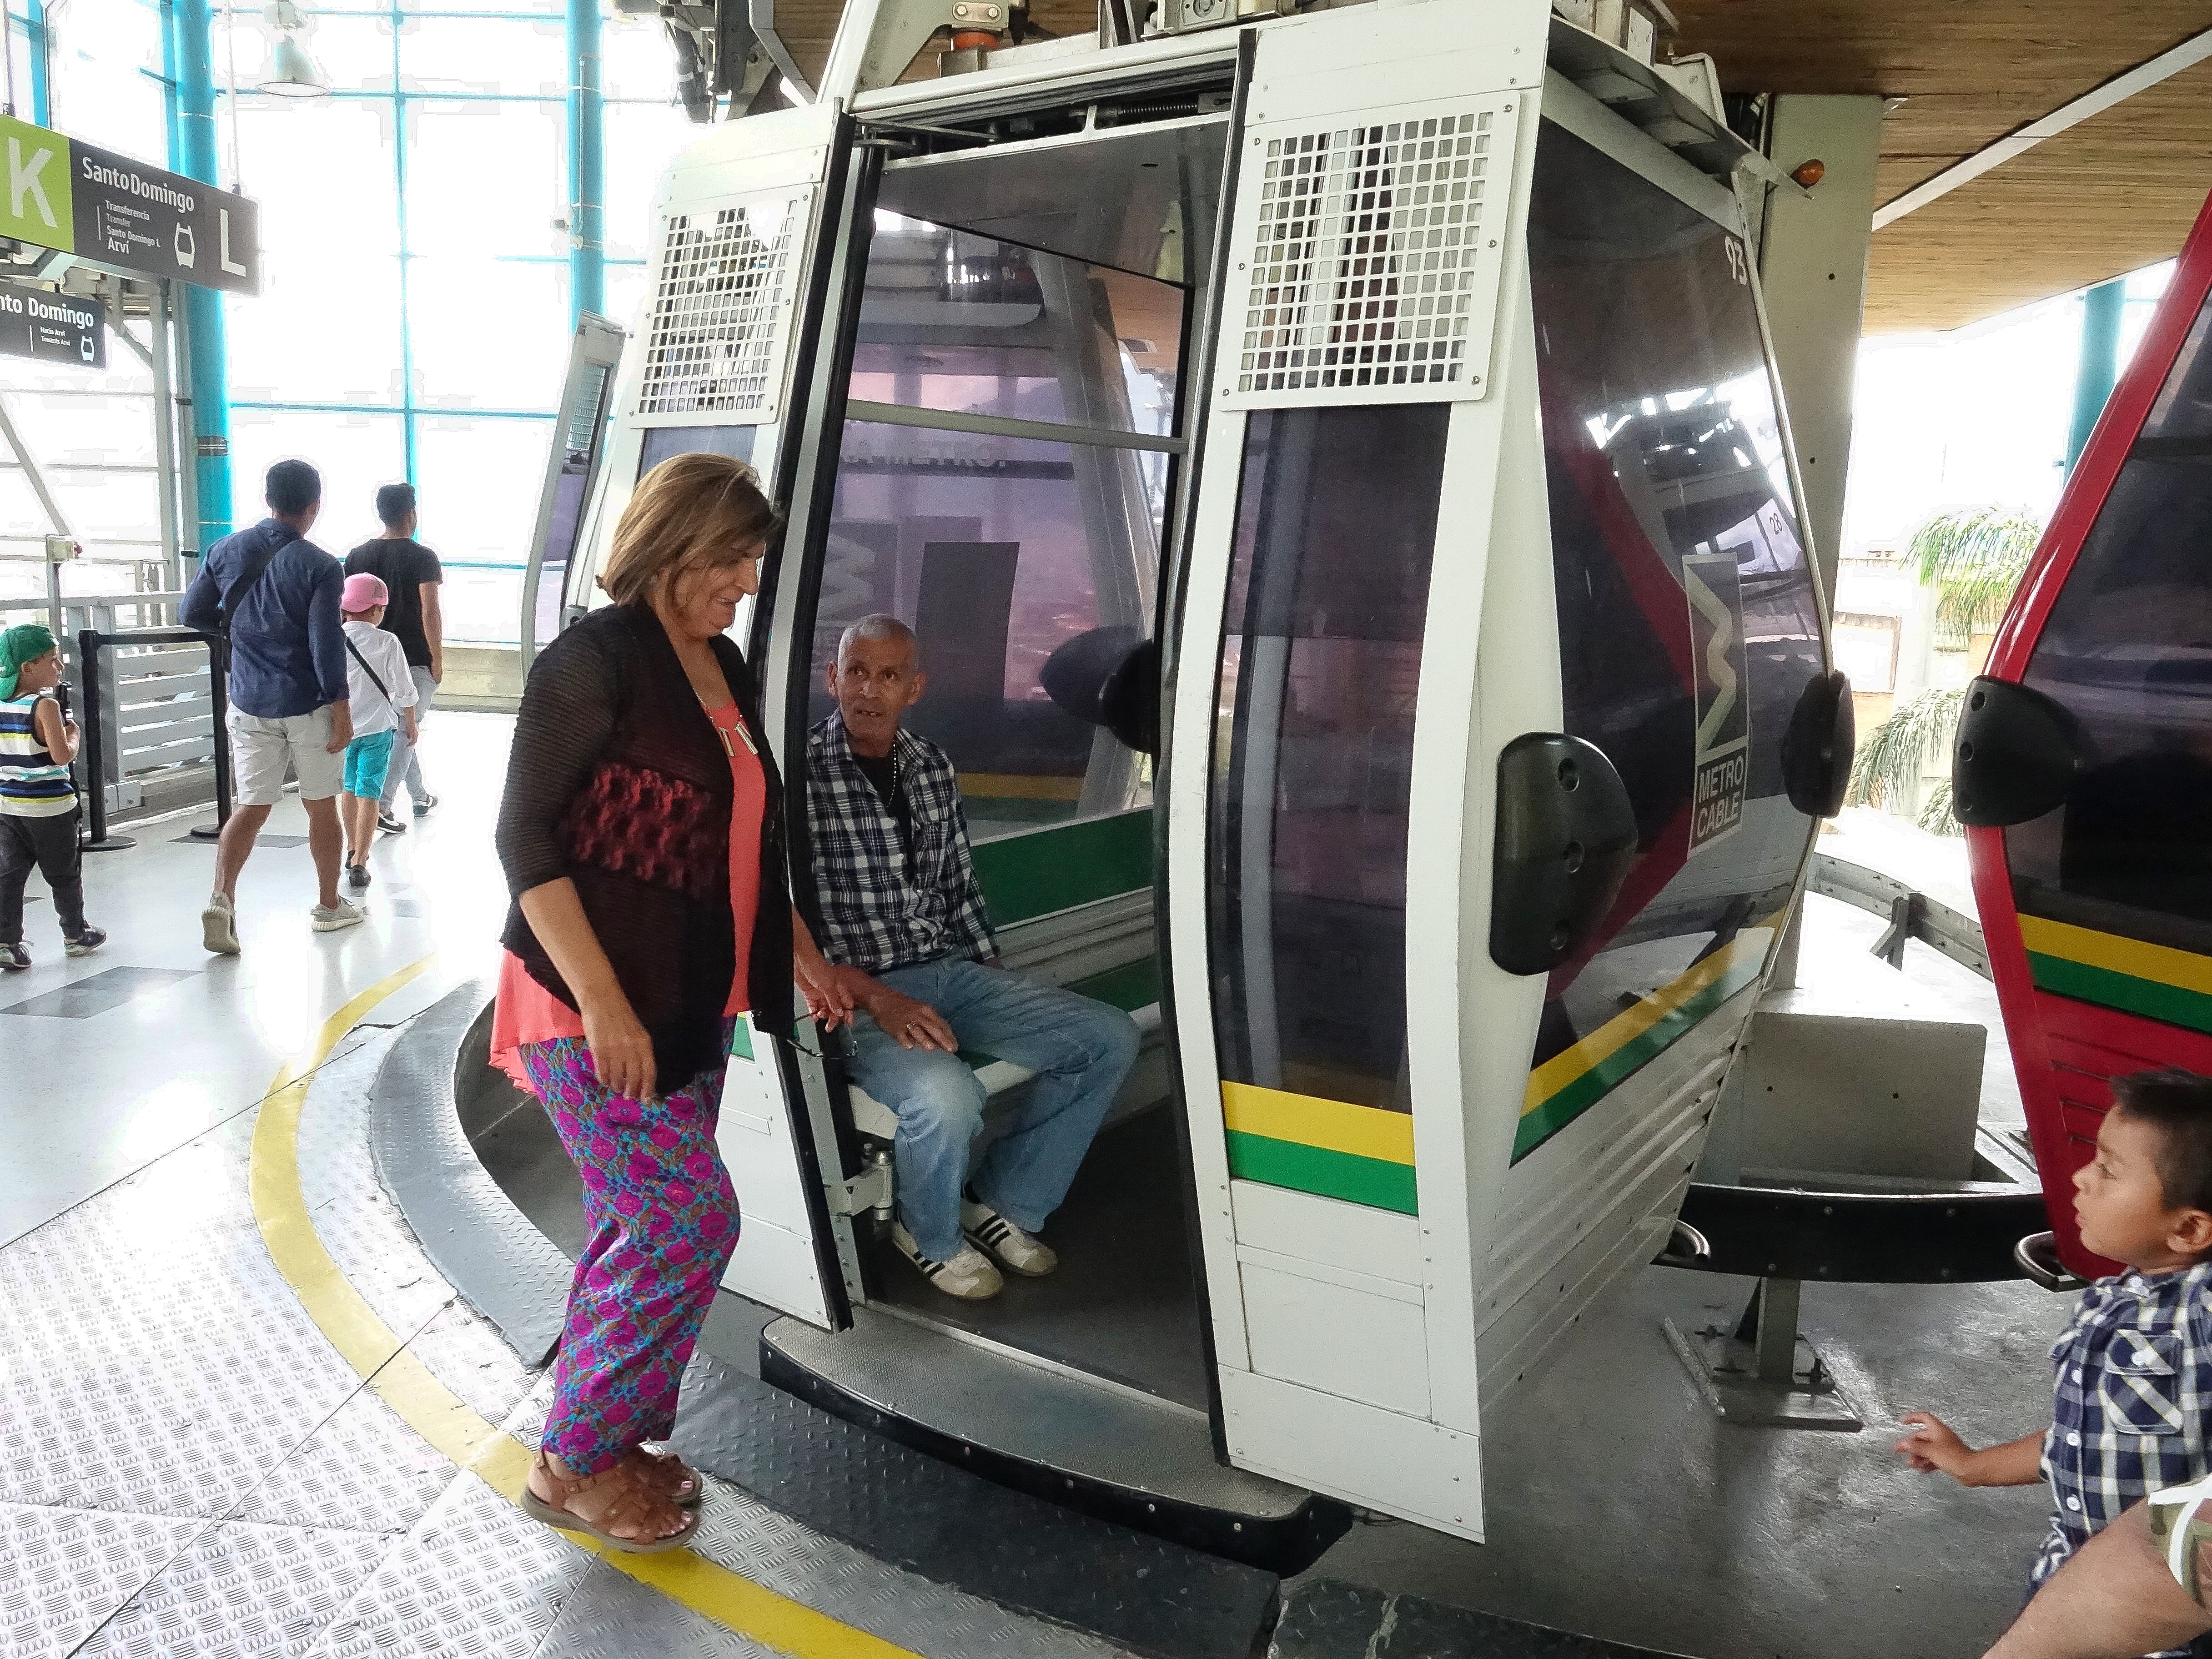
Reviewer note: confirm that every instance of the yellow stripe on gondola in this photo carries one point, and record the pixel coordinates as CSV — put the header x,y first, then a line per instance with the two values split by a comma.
x,y
1563,1068
2162,965
1335,1126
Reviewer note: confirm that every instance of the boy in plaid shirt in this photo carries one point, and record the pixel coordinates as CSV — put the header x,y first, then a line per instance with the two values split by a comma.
x,y
2135,1368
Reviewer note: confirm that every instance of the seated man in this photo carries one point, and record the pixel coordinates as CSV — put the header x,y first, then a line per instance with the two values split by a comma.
x,y
903,921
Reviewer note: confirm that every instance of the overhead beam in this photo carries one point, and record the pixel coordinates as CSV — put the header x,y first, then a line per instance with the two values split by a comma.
x,y
2118,90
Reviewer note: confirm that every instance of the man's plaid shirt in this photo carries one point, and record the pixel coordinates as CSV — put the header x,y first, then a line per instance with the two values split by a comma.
x,y
882,907
2133,1394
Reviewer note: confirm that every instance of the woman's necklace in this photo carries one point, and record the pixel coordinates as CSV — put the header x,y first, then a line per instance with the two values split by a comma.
x,y
724,732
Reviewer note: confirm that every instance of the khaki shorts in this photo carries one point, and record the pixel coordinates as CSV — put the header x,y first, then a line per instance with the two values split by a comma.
x,y
260,748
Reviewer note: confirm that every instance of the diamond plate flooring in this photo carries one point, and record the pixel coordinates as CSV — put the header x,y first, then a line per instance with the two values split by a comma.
x,y
187,1468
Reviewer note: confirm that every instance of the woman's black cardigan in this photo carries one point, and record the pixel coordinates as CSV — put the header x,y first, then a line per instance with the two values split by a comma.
x,y
618,780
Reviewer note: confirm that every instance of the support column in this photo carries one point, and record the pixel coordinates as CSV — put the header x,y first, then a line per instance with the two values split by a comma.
x,y
191,43
2098,366
41,55
1812,266
586,182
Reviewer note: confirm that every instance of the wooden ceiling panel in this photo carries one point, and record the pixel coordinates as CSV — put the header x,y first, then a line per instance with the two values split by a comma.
x,y
2115,193
2110,196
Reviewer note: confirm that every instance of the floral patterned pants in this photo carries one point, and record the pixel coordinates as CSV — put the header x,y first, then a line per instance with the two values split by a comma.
x,y
664,1221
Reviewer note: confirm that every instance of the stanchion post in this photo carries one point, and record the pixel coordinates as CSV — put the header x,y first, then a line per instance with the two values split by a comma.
x,y
89,643
219,692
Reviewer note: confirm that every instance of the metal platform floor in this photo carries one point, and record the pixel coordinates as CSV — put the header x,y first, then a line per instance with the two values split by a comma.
x,y
242,1413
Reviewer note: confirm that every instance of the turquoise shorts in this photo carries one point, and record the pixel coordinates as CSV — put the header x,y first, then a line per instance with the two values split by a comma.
x,y
366,759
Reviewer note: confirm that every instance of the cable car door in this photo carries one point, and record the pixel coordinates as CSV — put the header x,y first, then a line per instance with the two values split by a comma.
x,y
2084,761
1470,315
751,221
579,431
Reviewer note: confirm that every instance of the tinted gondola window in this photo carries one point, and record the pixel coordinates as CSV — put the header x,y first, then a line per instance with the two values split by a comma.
x,y
1313,758
1688,626
2128,650
1001,548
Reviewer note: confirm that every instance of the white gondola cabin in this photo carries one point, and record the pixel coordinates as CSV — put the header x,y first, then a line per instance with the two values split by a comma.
x,y
1383,389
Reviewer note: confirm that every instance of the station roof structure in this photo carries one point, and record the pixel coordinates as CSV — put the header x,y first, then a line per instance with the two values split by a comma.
x,y
2110,194
2114,194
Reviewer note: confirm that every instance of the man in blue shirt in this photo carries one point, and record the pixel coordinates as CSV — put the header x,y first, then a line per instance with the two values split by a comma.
x,y
276,592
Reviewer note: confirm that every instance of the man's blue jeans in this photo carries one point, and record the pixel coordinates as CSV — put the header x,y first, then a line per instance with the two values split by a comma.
x,y
1081,1050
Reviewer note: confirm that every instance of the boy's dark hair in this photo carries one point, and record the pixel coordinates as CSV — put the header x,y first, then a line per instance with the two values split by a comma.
x,y
2178,1105
394,503
293,486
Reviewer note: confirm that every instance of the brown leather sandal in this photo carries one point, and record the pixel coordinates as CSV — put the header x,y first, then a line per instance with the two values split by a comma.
x,y
669,1476
633,1505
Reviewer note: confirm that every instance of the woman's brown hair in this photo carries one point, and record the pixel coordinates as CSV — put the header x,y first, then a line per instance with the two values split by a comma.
x,y
691,511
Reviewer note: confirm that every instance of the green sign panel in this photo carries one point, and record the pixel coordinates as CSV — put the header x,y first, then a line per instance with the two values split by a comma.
x,y
108,210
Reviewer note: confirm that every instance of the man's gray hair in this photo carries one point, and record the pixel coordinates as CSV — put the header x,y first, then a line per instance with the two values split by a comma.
x,y
880,628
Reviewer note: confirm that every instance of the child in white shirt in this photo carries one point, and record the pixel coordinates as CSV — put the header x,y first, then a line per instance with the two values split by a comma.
x,y
383,693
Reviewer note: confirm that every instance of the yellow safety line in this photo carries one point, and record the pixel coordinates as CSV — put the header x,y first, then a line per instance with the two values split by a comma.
x,y
1623,1029
1336,1125
434,1412
2160,963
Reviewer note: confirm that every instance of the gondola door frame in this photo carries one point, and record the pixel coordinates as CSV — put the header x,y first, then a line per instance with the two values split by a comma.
x,y
1317,1409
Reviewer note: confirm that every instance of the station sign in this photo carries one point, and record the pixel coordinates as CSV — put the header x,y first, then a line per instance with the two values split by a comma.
x,y
62,328
108,210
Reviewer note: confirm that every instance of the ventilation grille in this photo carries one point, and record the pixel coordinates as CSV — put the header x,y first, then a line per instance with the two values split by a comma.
x,y
1374,261
722,309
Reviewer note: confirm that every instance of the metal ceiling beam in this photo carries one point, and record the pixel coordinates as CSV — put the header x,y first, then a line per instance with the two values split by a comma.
x,y
2121,87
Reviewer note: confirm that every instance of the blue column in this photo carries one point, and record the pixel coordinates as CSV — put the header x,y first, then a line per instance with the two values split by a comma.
x,y
189,46
586,170
2102,307
34,26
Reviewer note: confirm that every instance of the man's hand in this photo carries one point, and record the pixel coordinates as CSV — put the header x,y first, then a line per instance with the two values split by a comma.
x,y
829,997
341,727
437,666
910,1023
407,715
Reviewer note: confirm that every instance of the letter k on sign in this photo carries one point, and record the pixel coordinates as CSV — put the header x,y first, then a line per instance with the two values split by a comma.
x,y
38,206
23,181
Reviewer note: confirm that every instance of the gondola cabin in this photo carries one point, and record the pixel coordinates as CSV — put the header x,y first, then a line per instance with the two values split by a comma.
x,y
1396,414
2084,760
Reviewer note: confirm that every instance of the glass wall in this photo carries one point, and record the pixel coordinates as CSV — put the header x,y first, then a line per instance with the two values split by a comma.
x,y
414,314
90,431
416,311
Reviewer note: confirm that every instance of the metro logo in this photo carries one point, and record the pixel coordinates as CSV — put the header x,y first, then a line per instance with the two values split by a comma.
x,y
38,207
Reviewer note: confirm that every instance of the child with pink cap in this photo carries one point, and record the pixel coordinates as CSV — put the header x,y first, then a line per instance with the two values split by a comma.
x,y
384,696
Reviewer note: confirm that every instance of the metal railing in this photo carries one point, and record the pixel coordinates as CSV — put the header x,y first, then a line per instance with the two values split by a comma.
x,y
1911,914
154,701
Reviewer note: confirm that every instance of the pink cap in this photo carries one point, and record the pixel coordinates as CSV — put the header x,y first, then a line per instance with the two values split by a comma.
x,y
364,592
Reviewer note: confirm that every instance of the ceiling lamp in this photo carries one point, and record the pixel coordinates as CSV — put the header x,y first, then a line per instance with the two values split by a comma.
x,y
292,72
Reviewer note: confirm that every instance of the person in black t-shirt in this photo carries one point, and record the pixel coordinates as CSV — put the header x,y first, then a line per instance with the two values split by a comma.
x,y
412,573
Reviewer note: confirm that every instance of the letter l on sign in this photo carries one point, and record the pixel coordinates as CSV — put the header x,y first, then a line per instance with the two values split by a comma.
x,y
24,181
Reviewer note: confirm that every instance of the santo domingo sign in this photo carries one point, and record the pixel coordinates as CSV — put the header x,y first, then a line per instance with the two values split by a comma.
x,y
111,210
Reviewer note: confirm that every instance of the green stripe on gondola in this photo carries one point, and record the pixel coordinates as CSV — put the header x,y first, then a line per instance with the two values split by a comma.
x,y
2170,1003
1316,1169
1041,870
1540,1125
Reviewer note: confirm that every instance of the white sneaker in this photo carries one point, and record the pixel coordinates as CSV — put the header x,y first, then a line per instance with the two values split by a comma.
x,y
1020,1251
969,1275
341,914
219,925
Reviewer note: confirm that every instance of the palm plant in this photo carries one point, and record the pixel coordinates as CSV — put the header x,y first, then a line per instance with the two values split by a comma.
x,y
1973,557
1891,760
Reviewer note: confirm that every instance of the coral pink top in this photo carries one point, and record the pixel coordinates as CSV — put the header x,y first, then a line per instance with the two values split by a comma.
x,y
525,1012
